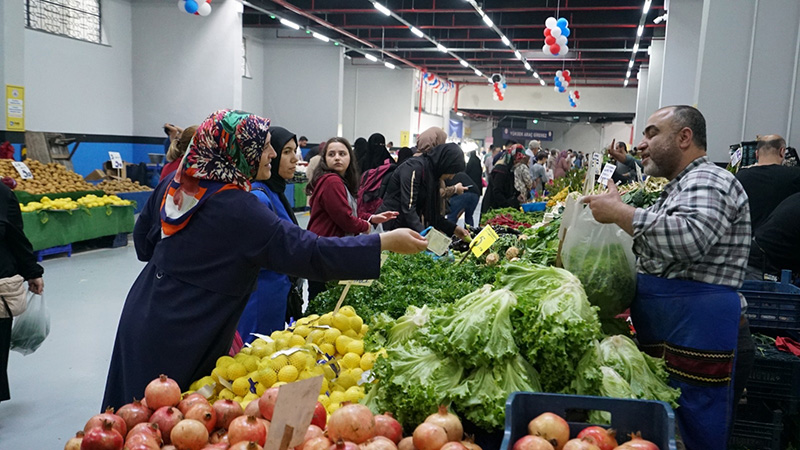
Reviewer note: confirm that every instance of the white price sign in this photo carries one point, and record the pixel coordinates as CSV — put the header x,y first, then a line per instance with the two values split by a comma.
x,y
608,170
116,160
736,157
597,160
23,170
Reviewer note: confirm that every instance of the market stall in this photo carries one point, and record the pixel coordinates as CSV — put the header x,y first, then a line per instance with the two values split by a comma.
x,y
55,228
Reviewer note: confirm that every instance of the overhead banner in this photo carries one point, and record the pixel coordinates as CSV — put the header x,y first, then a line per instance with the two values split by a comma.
x,y
519,134
456,129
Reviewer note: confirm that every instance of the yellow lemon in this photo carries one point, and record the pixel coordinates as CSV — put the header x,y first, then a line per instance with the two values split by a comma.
x,y
282,343
350,361
288,374
337,397
239,357
219,372
304,375
238,399
250,397
346,379
357,347
244,403
279,384
205,381
300,360
241,386
302,330
276,334
333,407
315,337
245,351
341,322
297,341
226,394
354,394
357,372
260,350
347,310
236,370
225,361
328,349
266,377
330,336
260,389
367,361
258,341
328,371
251,363
325,400
279,362
356,323
316,370
325,387
325,319
341,344
351,334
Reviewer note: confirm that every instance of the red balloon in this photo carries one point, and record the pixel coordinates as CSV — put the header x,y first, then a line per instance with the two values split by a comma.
x,y
547,32
567,78
555,48
550,40
566,73
578,96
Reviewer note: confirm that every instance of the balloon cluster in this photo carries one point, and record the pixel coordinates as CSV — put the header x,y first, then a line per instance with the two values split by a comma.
x,y
196,7
562,80
439,86
574,96
556,33
499,86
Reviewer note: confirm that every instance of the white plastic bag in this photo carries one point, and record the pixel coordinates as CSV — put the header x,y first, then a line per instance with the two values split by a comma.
x,y
31,327
601,256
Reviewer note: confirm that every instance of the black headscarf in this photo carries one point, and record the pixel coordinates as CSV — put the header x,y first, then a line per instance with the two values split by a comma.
x,y
276,183
376,154
360,149
446,158
403,154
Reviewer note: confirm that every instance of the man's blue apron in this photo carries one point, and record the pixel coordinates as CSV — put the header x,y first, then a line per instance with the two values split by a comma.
x,y
694,326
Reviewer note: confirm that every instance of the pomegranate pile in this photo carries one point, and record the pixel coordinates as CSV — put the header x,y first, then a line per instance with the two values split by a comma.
x,y
549,431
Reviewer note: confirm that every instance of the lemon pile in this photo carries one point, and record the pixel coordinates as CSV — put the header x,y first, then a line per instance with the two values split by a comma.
x,y
329,345
67,204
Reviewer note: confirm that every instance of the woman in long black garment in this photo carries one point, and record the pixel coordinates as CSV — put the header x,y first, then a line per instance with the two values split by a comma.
x,y
205,237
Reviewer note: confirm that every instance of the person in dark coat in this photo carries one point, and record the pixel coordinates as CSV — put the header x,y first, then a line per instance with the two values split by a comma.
x,y
475,171
205,238
360,149
501,192
16,258
403,154
413,190
376,154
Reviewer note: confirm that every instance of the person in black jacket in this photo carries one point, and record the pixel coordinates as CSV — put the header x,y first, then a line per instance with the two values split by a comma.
x,y
501,192
474,171
413,191
16,258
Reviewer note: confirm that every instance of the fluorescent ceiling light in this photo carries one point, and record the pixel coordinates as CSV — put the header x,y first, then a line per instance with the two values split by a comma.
x,y
647,6
290,24
640,30
478,73
370,57
628,75
389,65
527,66
488,21
464,63
630,64
441,48
541,81
460,114
536,74
382,9
635,47
320,37
625,84
416,32
505,40
518,55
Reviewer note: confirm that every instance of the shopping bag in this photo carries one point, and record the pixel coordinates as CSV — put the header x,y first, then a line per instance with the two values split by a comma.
x,y
601,256
31,327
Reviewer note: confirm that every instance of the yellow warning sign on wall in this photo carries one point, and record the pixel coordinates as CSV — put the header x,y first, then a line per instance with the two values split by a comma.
x,y
15,108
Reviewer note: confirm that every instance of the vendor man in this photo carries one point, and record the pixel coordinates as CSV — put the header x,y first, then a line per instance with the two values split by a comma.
x,y
692,247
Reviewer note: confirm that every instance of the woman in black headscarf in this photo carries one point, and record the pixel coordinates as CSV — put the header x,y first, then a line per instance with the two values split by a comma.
x,y
376,153
360,148
413,190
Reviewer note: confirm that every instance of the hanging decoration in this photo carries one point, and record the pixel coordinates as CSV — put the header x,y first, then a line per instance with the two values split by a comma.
x,y
196,7
439,86
556,33
562,80
574,96
499,87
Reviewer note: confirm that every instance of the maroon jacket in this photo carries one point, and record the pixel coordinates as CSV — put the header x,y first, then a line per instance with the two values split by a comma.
x,y
331,213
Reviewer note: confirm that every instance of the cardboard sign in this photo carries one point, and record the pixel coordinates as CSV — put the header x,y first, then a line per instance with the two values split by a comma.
x,y
483,241
23,170
294,409
438,242
116,160
605,175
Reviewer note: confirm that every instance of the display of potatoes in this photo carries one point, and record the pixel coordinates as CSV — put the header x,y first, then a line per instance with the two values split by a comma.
x,y
47,178
117,186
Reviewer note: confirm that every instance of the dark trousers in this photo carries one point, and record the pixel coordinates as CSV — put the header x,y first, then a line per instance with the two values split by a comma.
x,y
466,202
5,344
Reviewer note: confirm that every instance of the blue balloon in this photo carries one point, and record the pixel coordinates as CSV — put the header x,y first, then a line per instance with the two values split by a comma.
x,y
561,89
558,84
562,23
565,32
504,85
191,6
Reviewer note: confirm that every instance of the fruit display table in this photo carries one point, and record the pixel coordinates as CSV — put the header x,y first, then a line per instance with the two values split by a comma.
x,y
139,197
25,197
46,229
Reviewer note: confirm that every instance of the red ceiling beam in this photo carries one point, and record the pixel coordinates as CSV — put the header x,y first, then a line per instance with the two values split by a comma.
x,y
472,11
481,26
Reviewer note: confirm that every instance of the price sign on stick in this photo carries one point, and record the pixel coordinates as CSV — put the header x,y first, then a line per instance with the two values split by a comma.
x,y
608,170
116,160
23,170
294,409
483,241
348,283
736,157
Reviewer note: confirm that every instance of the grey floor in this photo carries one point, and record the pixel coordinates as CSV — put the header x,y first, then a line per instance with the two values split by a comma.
x,y
56,389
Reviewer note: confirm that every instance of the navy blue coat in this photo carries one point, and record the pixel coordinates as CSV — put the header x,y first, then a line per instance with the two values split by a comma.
x,y
181,313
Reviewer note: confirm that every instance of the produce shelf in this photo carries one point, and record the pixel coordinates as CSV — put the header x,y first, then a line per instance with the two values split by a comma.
x,y
47,229
772,305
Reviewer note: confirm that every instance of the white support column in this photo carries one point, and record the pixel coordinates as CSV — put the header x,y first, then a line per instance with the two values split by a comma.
x,y
12,48
641,101
654,77
681,51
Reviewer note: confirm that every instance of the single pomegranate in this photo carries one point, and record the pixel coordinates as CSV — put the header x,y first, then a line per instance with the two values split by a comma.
x,y
166,418
146,428
189,434
265,423
252,409
586,443
203,413
219,436
103,437
191,400
134,413
380,443
244,445
317,443
469,442
386,425
247,429
143,441
344,445
407,443
637,443
449,421
74,443
163,391
267,402
98,419
312,432
227,410
453,446
320,417
429,436
353,423
604,439
550,426
532,443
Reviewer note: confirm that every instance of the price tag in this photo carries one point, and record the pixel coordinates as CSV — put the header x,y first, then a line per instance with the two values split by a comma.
x,y
438,242
294,409
116,160
23,170
639,175
608,170
483,241
736,157
597,160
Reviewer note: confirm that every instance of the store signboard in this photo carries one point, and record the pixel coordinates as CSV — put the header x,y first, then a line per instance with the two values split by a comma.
x,y
15,108
520,134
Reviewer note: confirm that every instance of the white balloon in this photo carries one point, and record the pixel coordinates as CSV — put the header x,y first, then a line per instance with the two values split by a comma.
x,y
563,50
565,84
551,22
545,49
559,73
561,40
555,88
555,32
204,9
182,5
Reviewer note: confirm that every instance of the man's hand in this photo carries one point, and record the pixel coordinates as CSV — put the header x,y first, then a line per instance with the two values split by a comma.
x,y
378,219
404,241
609,208
460,189
461,233
36,285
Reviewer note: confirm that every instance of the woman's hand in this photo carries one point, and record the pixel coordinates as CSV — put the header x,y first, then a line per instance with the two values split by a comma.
x,y
404,241
460,189
461,233
386,216
36,285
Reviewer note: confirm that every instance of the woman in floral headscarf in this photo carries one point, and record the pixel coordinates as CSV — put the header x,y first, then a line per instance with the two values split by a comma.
x,y
205,238
523,180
